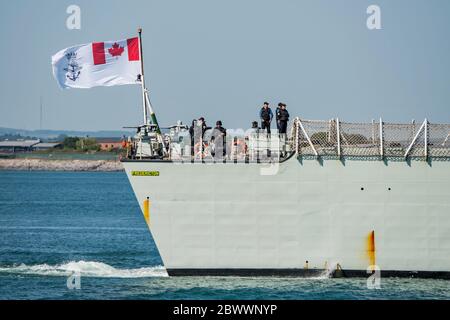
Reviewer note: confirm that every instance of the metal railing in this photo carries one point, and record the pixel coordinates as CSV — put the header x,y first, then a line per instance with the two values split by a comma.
x,y
337,138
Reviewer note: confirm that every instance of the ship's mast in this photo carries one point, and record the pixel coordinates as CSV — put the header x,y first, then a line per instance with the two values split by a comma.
x,y
145,96
144,103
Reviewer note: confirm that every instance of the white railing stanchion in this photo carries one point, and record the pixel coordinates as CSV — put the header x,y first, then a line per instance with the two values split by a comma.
x,y
426,138
381,139
338,133
296,135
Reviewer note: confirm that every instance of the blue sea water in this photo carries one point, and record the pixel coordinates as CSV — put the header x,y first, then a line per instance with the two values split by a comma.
x,y
55,224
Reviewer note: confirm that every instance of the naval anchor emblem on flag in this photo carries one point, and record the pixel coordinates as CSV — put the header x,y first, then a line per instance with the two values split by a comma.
x,y
73,69
106,63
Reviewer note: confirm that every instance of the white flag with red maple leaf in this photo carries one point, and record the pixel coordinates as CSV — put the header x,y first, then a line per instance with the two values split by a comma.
x,y
95,64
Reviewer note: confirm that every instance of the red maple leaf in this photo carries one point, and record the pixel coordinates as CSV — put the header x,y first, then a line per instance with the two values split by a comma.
x,y
116,50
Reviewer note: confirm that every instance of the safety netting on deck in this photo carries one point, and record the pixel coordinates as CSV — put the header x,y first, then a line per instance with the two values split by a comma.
x,y
377,138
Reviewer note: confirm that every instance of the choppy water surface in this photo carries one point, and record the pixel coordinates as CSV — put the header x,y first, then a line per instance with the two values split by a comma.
x,y
56,224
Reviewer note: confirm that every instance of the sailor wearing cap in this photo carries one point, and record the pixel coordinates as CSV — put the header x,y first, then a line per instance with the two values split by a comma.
x,y
283,118
218,140
266,116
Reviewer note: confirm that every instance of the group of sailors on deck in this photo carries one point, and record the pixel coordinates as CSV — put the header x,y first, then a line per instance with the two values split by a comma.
x,y
265,115
206,141
218,135
281,117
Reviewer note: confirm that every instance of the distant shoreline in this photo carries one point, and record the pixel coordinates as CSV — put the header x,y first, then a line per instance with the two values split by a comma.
x,y
60,165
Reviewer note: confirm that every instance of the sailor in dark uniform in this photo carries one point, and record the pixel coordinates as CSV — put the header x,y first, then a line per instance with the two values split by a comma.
x,y
277,115
218,138
266,116
283,117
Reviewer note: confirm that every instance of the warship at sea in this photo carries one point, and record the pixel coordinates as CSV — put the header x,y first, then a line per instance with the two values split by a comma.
x,y
326,196
330,196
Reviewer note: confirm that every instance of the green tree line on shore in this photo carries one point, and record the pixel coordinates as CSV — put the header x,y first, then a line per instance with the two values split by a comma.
x,y
80,144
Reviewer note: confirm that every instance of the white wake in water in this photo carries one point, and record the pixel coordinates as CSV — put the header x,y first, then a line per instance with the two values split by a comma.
x,y
86,269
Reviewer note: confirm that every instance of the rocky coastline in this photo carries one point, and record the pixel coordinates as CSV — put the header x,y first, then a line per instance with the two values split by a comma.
x,y
60,165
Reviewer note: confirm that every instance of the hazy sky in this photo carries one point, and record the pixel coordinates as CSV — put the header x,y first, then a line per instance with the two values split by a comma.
x,y
222,59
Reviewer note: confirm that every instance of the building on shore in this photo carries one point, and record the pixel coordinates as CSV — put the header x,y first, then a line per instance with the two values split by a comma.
x,y
47,145
15,146
108,144
8,146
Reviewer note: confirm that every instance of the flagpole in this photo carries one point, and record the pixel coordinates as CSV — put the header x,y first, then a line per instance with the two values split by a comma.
x,y
144,102
145,96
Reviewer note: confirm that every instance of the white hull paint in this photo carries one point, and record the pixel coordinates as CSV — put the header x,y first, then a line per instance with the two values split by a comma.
x,y
229,216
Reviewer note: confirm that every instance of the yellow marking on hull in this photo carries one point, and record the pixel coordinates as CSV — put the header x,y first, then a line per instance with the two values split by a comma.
x,y
145,173
371,248
146,211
